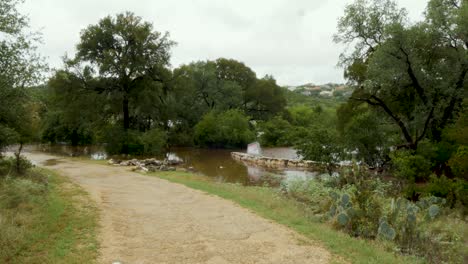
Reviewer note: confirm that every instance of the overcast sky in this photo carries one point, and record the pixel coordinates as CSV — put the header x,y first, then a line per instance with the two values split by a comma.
x,y
290,39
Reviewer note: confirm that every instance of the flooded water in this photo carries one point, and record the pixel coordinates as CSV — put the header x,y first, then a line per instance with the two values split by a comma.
x,y
214,163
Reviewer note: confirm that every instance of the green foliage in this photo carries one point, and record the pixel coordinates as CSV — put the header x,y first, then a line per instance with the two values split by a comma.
x,y
14,167
275,132
429,58
410,166
154,141
459,162
151,142
453,190
364,132
309,191
20,65
322,145
142,55
226,129
265,99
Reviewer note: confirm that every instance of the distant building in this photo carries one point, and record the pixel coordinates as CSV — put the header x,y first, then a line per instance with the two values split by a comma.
x,y
326,93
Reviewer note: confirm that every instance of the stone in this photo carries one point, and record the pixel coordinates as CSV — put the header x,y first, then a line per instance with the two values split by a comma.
x,y
153,168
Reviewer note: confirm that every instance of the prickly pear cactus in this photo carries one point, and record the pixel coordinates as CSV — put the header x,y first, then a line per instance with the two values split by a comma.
x,y
343,219
386,231
433,211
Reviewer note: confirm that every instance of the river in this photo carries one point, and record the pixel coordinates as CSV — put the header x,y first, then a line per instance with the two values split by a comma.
x,y
214,163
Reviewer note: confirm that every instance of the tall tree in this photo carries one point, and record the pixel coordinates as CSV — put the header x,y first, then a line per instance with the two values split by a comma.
x,y
127,51
413,73
20,66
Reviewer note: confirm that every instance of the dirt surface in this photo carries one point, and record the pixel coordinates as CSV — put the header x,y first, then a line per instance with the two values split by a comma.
x,y
150,220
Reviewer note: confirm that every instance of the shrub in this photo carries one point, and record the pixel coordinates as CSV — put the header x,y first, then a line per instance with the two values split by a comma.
x,y
154,141
310,191
410,166
459,162
321,144
275,132
8,166
228,129
134,142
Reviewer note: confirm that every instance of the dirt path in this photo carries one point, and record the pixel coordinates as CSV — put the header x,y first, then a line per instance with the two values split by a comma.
x,y
150,220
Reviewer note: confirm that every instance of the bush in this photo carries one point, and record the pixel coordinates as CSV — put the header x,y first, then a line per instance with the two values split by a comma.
x,y
459,162
134,142
310,191
154,141
362,207
275,132
410,166
230,129
321,144
8,166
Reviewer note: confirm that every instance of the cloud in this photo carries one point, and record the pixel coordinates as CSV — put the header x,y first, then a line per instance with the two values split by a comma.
x,y
290,39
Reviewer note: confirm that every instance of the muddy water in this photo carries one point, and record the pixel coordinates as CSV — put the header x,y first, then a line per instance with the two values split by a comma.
x,y
214,163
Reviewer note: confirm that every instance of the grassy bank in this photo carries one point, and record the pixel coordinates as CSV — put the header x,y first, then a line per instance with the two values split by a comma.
x,y
270,204
44,218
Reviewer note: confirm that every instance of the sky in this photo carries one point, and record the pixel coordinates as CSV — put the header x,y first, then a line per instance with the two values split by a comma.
x,y
289,39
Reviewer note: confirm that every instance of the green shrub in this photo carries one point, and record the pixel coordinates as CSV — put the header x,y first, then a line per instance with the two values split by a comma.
x,y
134,142
310,191
228,129
362,207
321,144
459,162
275,132
410,166
10,166
154,141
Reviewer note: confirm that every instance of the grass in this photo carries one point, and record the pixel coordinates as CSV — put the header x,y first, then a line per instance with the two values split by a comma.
x,y
270,204
53,221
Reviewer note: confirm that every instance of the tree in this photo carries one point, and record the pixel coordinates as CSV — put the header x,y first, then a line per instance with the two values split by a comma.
x,y
265,99
20,66
322,145
366,132
415,74
234,71
127,52
74,112
230,129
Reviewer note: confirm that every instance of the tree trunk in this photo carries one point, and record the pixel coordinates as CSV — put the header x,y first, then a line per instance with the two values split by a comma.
x,y
126,115
18,160
126,123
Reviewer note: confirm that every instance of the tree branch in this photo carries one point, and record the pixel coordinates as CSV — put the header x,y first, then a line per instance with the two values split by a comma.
x,y
398,121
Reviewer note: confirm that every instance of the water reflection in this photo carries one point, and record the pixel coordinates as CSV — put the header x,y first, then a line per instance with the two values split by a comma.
x,y
214,163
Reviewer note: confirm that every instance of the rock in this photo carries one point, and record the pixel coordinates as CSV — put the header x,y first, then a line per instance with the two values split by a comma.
x,y
124,163
172,162
153,162
111,162
171,169
153,168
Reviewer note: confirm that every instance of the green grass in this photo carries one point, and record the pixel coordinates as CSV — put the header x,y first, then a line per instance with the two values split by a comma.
x,y
53,222
270,204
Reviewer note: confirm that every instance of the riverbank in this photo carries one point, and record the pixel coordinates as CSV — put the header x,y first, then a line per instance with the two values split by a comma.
x,y
270,204
45,218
